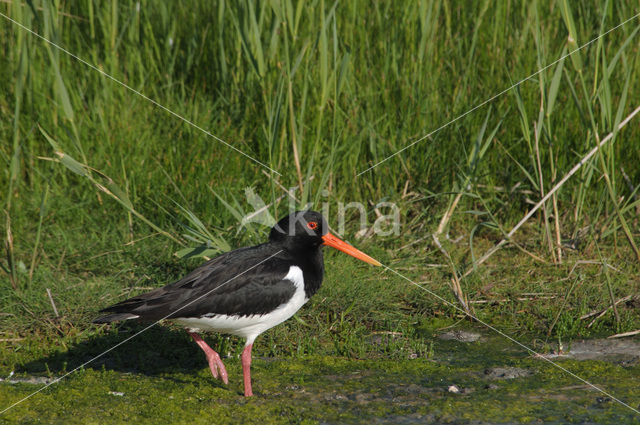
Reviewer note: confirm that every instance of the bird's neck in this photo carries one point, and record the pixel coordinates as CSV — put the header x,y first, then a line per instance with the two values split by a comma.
x,y
309,259
313,271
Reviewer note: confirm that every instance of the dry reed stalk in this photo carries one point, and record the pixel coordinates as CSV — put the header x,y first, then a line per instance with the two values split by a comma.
x,y
556,215
545,215
447,215
616,208
504,300
455,280
631,333
601,313
53,304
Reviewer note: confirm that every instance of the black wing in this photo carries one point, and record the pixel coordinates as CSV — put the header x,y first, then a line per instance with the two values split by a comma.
x,y
238,282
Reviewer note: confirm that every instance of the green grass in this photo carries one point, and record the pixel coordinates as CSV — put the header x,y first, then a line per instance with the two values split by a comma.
x,y
319,93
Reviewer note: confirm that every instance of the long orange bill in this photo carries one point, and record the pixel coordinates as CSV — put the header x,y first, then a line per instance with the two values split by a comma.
x,y
341,245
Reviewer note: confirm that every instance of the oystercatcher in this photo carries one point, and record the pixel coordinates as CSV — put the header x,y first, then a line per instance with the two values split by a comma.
x,y
243,292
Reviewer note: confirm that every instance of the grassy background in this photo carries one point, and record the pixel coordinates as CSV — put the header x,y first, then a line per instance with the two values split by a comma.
x,y
347,84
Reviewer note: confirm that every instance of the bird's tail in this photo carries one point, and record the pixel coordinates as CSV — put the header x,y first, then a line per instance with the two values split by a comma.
x,y
115,317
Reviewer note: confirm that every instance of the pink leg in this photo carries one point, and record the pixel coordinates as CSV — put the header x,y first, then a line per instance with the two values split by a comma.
x,y
215,363
246,370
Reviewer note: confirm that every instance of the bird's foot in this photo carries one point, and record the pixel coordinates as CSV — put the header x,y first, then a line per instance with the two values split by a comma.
x,y
217,367
215,362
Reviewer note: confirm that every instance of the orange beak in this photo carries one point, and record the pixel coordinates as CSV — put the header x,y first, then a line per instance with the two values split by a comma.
x,y
336,243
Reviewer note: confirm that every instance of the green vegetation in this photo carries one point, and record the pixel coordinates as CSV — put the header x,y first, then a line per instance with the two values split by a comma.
x,y
102,188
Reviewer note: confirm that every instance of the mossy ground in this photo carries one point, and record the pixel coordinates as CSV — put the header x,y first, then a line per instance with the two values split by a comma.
x,y
326,389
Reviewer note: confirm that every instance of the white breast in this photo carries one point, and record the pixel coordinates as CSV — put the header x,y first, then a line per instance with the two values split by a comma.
x,y
250,327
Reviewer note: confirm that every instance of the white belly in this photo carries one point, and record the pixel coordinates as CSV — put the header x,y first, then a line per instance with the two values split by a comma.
x,y
250,327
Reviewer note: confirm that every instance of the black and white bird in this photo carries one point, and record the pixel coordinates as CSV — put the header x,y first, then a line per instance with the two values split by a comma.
x,y
243,292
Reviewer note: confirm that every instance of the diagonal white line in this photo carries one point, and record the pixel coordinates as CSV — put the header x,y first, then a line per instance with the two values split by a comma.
x,y
135,335
498,331
497,95
142,95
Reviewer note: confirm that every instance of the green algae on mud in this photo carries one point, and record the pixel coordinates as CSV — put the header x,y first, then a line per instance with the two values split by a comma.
x,y
326,389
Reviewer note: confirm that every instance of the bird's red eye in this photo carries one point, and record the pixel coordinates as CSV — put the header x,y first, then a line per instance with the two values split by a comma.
x,y
312,225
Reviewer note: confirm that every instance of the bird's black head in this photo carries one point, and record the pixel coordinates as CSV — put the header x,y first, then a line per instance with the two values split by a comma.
x,y
301,229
